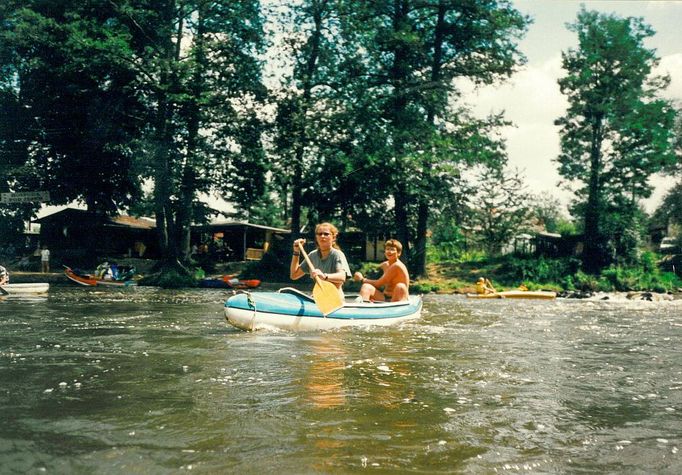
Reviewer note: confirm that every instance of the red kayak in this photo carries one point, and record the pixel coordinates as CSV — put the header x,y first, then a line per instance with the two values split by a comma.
x,y
229,282
91,280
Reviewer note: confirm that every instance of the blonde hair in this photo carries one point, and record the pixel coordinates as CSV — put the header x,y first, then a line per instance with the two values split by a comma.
x,y
394,243
332,229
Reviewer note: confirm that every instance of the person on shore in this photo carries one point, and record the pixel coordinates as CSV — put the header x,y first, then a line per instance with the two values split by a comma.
x,y
395,279
45,260
484,286
329,262
4,276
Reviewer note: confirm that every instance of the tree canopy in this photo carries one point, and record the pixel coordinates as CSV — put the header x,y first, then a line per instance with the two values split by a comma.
x,y
342,110
617,131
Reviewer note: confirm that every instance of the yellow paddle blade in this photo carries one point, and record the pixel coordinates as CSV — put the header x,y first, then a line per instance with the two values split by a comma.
x,y
327,297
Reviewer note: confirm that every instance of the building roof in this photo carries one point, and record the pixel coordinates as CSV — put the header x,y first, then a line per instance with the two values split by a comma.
x,y
239,224
141,222
73,215
82,216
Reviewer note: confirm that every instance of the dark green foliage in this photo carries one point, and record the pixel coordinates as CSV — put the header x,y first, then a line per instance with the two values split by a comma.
x,y
273,267
670,209
616,133
500,210
11,234
65,85
423,288
170,279
518,269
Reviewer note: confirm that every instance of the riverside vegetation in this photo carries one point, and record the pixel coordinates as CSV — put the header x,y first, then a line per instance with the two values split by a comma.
x,y
510,271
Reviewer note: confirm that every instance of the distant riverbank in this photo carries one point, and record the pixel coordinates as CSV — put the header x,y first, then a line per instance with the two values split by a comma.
x,y
59,278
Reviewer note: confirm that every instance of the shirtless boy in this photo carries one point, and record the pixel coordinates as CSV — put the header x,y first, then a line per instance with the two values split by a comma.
x,y
395,280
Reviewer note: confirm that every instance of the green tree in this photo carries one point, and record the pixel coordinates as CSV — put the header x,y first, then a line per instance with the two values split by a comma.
x,y
550,214
616,132
67,93
500,210
311,127
414,50
670,209
199,75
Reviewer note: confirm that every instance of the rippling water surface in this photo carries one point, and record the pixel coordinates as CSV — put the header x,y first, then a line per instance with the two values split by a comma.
x,y
148,381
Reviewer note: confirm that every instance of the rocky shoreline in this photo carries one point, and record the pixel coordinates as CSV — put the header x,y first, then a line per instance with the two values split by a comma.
x,y
621,296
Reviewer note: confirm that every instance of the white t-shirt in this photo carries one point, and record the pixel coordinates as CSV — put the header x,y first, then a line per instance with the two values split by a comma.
x,y
45,255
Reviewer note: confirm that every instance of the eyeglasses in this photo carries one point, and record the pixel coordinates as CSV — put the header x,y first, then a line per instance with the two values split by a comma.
x,y
324,234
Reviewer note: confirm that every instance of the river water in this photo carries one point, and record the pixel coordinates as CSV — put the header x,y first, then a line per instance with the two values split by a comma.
x,y
144,381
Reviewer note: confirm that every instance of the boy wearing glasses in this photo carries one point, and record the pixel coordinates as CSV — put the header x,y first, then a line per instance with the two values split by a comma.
x,y
328,260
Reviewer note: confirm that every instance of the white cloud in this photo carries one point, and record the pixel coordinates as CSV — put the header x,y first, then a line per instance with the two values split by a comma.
x,y
672,65
531,96
532,101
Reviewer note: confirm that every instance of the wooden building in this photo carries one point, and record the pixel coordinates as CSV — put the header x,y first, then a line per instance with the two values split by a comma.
x,y
77,232
235,241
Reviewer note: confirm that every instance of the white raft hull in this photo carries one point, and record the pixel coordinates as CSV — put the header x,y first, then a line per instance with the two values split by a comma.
x,y
26,289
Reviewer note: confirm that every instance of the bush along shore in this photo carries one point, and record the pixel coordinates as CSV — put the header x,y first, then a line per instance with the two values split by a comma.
x,y
645,281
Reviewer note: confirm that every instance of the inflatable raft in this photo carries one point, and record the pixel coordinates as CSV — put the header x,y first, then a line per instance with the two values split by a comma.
x,y
290,309
26,289
516,294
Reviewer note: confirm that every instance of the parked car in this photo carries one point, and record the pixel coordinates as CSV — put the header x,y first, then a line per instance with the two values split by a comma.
x,y
669,245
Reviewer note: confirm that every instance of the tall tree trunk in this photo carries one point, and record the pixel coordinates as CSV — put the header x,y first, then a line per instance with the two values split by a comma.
x,y
188,180
402,218
300,121
296,203
593,248
419,254
419,258
399,76
161,175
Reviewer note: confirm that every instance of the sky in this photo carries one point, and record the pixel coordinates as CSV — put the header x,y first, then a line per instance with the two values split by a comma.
x,y
531,98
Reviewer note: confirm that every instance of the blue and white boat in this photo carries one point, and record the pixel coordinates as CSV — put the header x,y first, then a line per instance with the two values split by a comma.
x,y
290,309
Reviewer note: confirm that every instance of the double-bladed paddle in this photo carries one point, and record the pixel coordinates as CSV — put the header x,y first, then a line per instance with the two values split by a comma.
x,y
325,294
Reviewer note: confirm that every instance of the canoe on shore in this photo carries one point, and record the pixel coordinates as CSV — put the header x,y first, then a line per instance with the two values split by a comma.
x,y
229,282
516,294
290,309
26,289
91,280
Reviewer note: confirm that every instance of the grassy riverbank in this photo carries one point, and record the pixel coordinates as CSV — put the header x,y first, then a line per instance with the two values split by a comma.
x,y
458,277
547,274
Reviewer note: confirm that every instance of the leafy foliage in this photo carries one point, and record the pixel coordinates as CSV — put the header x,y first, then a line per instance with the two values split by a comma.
x,y
501,209
616,132
69,93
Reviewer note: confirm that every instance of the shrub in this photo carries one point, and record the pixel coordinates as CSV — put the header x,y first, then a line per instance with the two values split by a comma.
x,y
585,282
170,279
539,269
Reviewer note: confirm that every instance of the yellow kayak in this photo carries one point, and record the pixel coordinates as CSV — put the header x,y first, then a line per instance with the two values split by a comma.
x,y
516,294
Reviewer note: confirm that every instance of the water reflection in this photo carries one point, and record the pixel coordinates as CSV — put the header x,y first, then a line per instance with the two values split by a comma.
x,y
325,383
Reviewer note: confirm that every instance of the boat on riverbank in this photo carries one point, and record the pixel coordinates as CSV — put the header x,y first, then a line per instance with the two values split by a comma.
x,y
91,280
290,309
26,289
229,282
516,294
